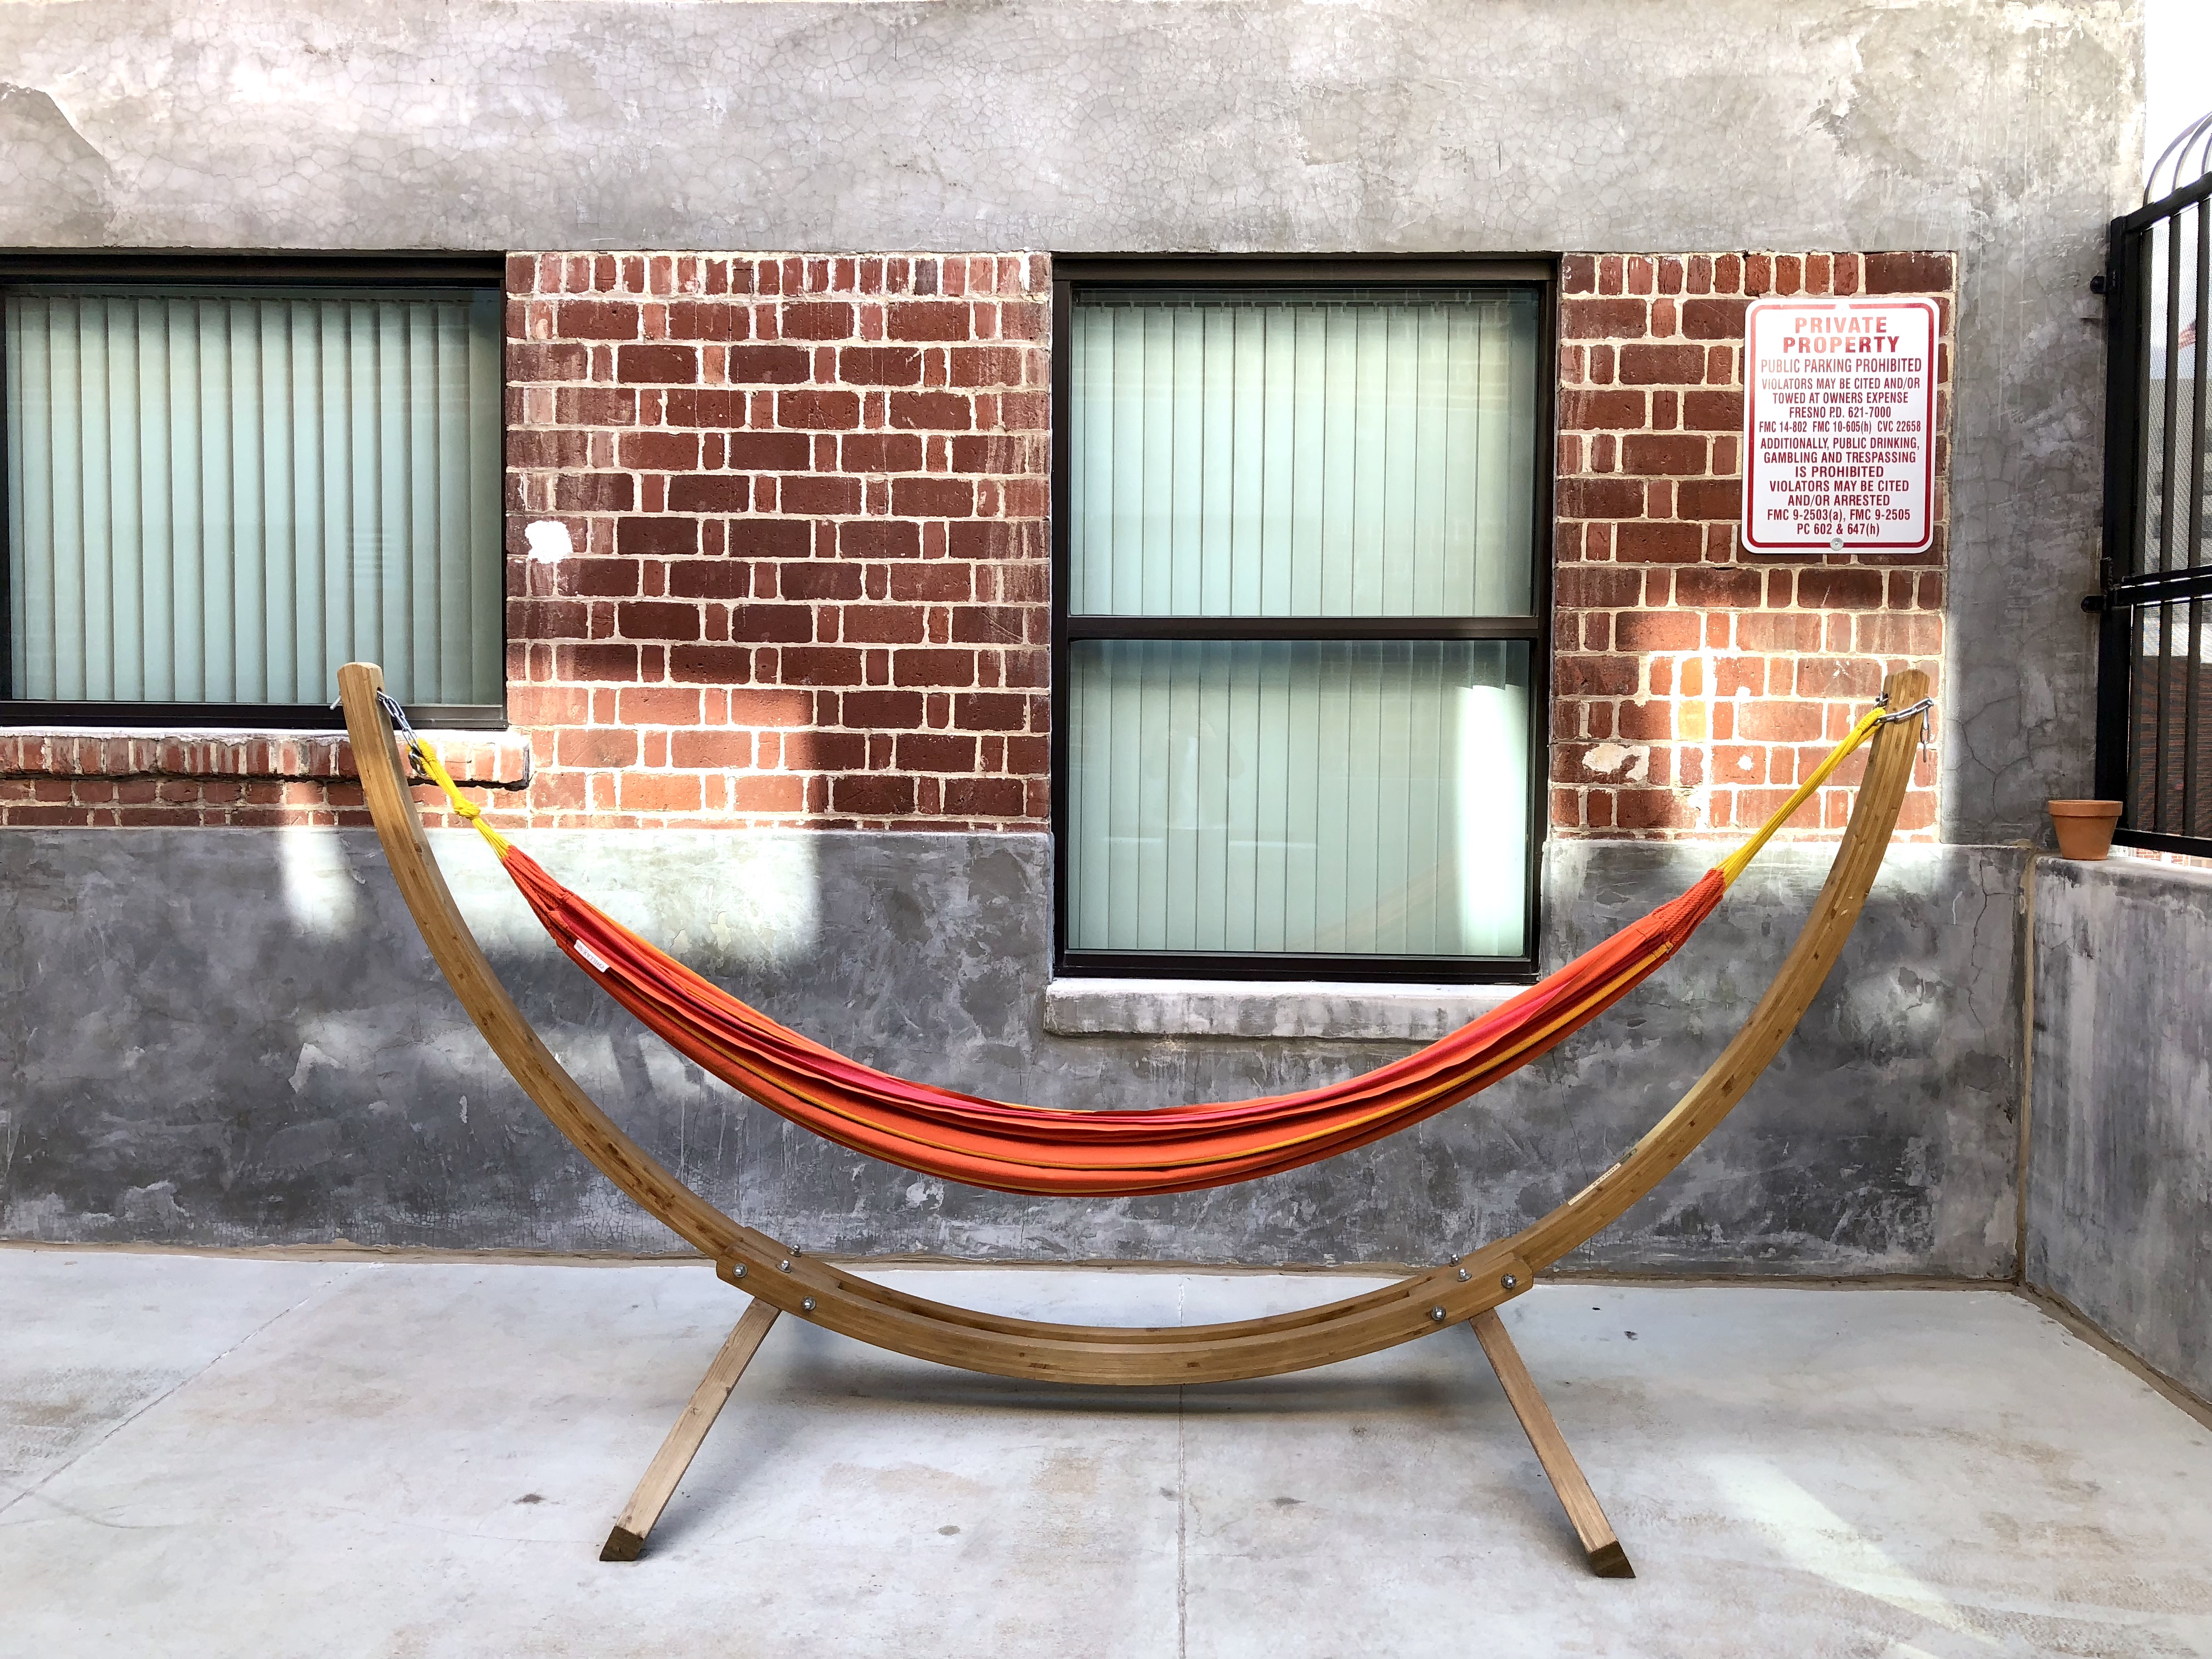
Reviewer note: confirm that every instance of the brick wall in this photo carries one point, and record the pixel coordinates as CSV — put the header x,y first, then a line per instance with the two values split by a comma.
x,y
807,500
1695,685
796,511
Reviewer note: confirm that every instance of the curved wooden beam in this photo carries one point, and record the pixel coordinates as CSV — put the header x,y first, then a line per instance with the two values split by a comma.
x,y
845,1302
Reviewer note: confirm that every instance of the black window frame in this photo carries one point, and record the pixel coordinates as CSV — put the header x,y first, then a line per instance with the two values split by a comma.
x,y
1539,274
396,269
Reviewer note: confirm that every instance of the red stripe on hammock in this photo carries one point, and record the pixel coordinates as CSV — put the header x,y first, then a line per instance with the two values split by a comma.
x,y
1032,1149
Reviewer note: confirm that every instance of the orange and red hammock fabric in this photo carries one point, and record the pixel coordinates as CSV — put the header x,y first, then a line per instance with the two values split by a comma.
x,y
1029,1149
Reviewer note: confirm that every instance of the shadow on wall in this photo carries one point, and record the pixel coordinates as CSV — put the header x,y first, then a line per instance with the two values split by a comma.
x,y
233,1037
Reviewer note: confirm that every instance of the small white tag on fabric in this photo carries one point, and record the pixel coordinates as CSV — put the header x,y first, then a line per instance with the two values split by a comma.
x,y
593,958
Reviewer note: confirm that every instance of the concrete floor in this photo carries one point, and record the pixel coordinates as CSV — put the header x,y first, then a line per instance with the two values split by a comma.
x,y
211,1456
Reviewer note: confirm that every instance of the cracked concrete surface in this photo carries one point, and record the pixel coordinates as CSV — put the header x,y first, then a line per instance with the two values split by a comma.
x,y
391,1458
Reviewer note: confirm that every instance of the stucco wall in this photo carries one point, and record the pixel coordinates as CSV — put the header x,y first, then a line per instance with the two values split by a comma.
x,y
191,1055
2008,132
2119,1192
232,1035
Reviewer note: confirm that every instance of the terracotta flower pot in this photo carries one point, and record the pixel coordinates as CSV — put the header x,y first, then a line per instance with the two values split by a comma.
x,y
2084,827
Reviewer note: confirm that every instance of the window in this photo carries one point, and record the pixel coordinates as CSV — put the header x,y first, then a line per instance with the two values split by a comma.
x,y
225,478
1298,673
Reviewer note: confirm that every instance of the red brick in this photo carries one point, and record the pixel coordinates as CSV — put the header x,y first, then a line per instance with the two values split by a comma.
x,y
593,492
932,498
934,668
817,320
1578,273
769,625
1655,630
1712,411
710,578
982,366
820,495
936,751
880,452
596,662
1650,454
601,747
927,319
1714,318
1778,631
873,795
1719,587
990,711
820,664
548,449
1595,676
530,361
1652,809
710,492
771,538
665,365
818,579
1599,498
879,538
769,365
878,623
653,450
1708,498
769,452
597,320
1907,273
1661,365
1603,319
819,410
986,798
711,751
659,792
1645,541
1771,721
1838,677
880,365
1583,410
941,412
709,663
1597,586
1841,590
708,319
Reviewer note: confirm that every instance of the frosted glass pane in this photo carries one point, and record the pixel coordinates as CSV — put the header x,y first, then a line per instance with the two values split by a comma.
x,y
220,494
1349,796
1305,453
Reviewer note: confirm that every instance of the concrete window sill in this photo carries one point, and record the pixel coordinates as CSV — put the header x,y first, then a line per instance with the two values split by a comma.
x,y
495,760
1263,1008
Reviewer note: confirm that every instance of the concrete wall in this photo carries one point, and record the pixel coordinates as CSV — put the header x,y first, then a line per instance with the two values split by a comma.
x,y
223,1037
2119,1193
192,1049
2010,133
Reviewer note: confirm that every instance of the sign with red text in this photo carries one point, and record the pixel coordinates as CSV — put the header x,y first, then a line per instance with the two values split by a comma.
x,y
1838,425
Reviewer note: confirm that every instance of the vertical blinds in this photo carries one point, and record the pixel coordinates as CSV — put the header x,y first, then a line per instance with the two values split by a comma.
x,y
1339,797
219,495
1246,453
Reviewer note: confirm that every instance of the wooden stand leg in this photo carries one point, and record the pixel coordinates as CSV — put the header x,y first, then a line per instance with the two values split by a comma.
x,y
626,1540
1607,1558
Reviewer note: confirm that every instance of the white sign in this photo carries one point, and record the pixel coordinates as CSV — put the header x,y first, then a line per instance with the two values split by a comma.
x,y
1838,425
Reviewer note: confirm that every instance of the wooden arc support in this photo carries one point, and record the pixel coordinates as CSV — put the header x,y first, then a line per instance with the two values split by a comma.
x,y
825,1294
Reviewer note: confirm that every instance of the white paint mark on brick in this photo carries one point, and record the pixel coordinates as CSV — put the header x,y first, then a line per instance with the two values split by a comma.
x,y
549,541
1606,758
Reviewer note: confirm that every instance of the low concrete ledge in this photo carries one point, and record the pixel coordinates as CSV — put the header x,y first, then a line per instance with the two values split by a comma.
x,y
1286,1008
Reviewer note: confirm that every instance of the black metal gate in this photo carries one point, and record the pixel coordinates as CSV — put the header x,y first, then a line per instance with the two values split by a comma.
x,y
2155,656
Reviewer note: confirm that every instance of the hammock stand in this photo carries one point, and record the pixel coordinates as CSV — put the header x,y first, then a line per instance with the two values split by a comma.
x,y
1467,1288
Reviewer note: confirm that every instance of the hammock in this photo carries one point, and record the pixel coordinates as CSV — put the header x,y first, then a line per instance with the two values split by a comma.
x,y
1027,1149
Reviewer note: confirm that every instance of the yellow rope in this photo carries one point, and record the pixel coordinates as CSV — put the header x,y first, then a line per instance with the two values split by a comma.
x,y
1733,865
467,809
